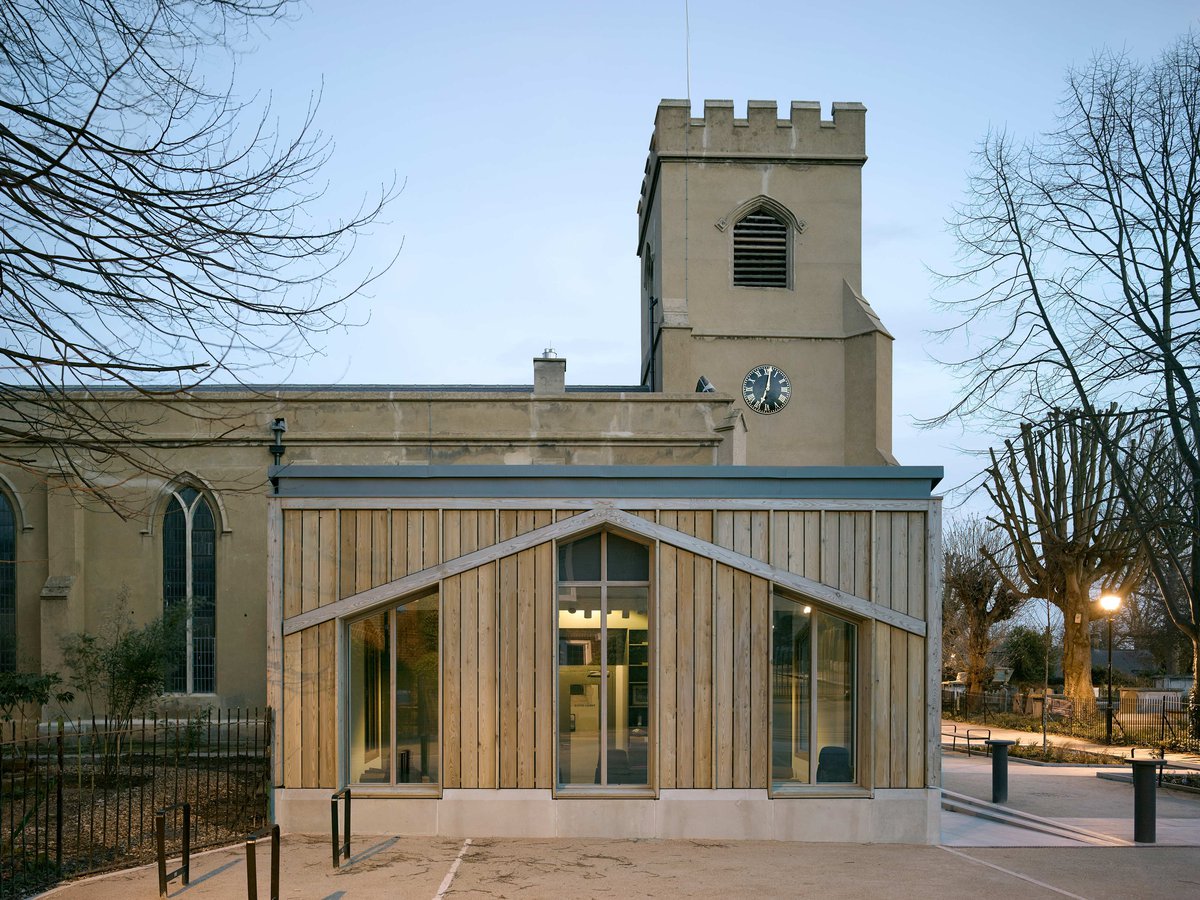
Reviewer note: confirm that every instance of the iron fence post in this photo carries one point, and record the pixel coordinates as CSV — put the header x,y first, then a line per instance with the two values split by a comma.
x,y
58,799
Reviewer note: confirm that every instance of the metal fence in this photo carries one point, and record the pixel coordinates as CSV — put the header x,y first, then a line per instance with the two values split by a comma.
x,y
79,797
1145,721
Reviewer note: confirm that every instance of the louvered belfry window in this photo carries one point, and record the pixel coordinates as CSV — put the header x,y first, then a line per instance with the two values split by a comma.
x,y
760,251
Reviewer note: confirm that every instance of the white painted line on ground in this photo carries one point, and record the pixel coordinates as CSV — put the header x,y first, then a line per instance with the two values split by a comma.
x,y
449,879
982,862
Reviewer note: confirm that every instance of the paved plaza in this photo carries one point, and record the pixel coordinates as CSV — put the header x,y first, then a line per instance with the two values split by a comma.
x,y
978,857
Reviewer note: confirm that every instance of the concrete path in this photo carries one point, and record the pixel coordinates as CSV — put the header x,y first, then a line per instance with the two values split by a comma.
x,y
425,868
977,858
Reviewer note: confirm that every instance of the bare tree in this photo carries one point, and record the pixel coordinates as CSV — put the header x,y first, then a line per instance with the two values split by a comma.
x,y
975,599
1062,519
1080,286
154,230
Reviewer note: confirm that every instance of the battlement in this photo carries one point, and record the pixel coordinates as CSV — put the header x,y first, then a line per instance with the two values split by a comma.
x,y
762,133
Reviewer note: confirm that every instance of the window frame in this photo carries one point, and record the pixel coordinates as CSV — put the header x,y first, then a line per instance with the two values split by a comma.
x,y
862,784
393,788
175,496
603,790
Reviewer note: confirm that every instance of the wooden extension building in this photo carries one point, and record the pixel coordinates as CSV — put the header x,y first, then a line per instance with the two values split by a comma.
x,y
708,652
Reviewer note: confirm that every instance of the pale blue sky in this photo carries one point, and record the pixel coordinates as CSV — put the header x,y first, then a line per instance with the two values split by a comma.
x,y
521,133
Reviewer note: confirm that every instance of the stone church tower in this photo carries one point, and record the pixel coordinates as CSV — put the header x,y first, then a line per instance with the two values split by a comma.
x,y
750,236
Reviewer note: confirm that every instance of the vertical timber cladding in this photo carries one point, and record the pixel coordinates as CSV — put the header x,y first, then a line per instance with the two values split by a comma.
x,y
712,645
309,715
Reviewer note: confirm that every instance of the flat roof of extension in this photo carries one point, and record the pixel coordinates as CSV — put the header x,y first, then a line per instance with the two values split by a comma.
x,y
617,482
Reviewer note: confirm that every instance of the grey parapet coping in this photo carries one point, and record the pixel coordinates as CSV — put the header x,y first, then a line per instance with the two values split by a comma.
x,y
617,482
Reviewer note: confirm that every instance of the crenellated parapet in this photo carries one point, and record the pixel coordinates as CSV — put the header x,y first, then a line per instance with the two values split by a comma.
x,y
761,133
803,136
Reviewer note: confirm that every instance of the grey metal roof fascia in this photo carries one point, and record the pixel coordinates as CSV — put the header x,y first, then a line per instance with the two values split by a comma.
x,y
618,482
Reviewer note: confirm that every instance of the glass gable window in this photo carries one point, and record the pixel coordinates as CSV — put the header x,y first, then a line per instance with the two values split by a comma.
x,y
394,696
813,689
190,592
603,662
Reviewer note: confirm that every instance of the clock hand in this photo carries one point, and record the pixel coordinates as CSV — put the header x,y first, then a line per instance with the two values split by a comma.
x,y
767,389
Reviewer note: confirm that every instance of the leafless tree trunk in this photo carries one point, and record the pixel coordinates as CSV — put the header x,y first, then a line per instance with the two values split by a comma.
x,y
1082,287
1061,513
975,599
153,230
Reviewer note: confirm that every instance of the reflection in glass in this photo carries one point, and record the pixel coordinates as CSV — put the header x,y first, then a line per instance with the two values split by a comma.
x,y
579,685
791,691
394,702
417,692
835,699
813,681
370,705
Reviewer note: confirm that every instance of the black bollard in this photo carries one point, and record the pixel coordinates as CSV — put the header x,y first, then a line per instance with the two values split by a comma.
x,y
1144,815
999,769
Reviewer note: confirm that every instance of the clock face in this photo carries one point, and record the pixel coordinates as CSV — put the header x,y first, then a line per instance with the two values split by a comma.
x,y
766,389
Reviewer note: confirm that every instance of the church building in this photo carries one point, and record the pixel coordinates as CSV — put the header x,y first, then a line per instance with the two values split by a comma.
x,y
706,605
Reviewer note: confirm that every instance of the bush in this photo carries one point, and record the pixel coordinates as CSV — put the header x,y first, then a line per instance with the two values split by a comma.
x,y
19,689
120,672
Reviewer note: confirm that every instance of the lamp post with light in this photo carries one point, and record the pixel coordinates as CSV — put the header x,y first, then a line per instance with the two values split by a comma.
x,y
1110,603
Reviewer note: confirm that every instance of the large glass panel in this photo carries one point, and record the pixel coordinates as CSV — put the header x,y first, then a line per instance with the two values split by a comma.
x,y
580,560
627,561
370,705
791,691
581,693
628,711
835,699
417,692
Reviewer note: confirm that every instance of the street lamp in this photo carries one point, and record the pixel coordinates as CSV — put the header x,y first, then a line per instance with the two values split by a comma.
x,y
1110,603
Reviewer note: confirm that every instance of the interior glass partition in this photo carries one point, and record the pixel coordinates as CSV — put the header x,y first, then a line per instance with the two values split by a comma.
x,y
813,695
394,696
603,662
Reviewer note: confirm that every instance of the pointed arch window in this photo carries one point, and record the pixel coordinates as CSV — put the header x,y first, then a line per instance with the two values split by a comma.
x,y
760,250
190,592
8,586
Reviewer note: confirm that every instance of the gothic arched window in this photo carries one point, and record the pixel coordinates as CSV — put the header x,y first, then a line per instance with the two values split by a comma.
x,y
8,586
190,592
760,250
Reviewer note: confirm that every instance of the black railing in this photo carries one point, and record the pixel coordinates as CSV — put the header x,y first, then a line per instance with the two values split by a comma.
x,y
340,849
1142,721
80,797
160,839
271,831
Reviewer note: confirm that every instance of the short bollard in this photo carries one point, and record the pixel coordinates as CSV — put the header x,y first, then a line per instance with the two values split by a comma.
x,y
999,769
1144,814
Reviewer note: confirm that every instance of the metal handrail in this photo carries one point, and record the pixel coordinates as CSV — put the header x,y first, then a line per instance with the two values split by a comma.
x,y
340,850
160,837
252,867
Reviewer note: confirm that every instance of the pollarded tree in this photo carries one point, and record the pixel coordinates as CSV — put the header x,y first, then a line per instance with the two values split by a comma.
x,y
153,230
1063,521
1080,286
975,598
